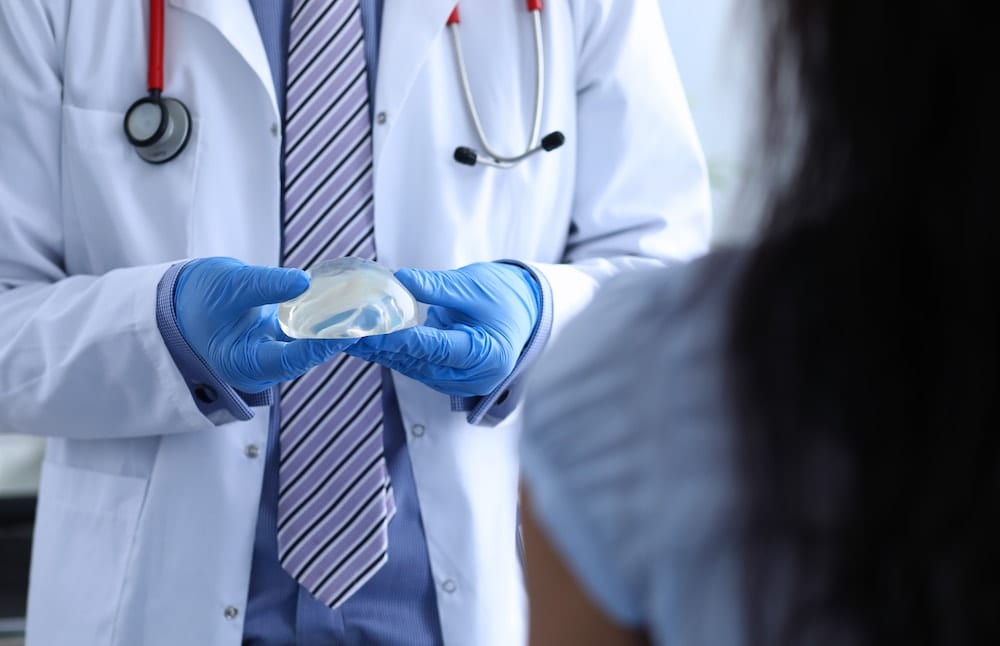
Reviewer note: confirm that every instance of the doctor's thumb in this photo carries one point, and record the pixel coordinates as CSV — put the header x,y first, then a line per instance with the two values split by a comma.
x,y
256,285
430,287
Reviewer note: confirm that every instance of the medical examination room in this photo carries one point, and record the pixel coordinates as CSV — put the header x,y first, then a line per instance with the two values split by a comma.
x,y
498,323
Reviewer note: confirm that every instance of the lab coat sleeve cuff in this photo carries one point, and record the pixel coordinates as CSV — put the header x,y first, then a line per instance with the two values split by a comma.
x,y
216,400
494,408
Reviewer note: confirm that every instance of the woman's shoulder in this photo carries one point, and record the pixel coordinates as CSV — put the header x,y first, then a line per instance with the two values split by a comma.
x,y
627,426
642,319
647,354
695,287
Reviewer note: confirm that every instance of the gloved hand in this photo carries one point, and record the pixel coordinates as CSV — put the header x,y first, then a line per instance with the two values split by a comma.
x,y
480,318
226,312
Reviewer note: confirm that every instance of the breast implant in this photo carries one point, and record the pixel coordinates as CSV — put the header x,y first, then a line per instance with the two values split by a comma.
x,y
348,298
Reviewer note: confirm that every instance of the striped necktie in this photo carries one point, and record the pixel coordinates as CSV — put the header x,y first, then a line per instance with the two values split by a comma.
x,y
334,497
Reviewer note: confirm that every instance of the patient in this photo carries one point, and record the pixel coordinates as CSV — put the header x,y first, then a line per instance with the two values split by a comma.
x,y
798,443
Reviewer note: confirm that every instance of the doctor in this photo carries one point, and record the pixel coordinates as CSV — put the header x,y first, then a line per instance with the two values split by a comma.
x,y
156,377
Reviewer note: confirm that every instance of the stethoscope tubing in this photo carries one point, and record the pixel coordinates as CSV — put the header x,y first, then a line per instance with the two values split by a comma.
x,y
470,102
154,73
493,157
536,128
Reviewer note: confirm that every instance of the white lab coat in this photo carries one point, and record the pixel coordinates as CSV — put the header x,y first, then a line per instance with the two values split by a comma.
x,y
147,510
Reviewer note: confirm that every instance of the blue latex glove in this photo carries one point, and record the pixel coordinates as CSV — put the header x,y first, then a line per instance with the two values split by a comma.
x,y
480,318
226,312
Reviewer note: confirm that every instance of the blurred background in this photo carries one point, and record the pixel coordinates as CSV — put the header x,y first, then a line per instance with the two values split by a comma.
x,y
716,52
714,48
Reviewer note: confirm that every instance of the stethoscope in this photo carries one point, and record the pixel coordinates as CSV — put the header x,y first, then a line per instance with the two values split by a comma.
x,y
551,141
159,127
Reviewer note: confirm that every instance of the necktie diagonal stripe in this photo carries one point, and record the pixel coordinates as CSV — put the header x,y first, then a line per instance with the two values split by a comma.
x,y
334,496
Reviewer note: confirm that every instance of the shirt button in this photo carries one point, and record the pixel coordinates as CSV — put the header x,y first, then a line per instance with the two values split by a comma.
x,y
274,129
381,118
252,451
449,586
231,612
418,430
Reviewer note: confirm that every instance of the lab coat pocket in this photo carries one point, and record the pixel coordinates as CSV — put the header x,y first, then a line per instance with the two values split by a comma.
x,y
86,525
120,210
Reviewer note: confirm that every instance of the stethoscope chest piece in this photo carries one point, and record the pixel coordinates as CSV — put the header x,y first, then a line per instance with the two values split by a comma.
x,y
158,127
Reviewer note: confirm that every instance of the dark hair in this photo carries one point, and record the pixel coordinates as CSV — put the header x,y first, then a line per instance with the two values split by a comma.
x,y
864,335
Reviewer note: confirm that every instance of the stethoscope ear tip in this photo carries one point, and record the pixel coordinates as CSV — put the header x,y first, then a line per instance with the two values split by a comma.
x,y
466,155
553,140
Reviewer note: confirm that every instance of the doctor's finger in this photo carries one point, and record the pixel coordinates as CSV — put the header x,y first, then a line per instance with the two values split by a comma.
x,y
285,361
454,348
256,285
445,288
444,379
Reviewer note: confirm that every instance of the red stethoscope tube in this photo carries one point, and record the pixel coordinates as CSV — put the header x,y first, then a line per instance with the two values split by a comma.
x,y
154,74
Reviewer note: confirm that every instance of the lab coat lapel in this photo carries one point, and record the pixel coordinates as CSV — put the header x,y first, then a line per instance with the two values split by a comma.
x,y
234,20
409,28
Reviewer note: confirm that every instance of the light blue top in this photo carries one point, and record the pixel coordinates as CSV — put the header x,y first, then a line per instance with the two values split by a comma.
x,y
628,455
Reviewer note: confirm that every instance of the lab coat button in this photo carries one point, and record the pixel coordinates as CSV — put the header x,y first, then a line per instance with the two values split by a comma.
x,y
381,118
252,451
231,612
418,430
205,394
274,129
449,586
